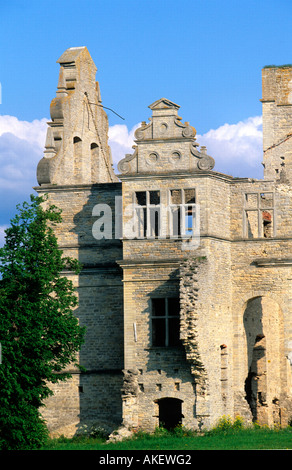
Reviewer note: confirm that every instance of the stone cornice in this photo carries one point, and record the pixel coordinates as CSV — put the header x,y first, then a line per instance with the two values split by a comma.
x,y
270,262
182,174
45,188
140,263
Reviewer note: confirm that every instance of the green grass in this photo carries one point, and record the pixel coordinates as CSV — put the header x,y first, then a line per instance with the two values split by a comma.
x,y
228,439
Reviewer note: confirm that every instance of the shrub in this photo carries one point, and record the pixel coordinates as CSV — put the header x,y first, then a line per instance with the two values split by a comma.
x,y
226,424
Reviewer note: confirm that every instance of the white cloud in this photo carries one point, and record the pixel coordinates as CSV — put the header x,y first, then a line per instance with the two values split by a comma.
x,y
236,148
33,132
2,234
21,147
121,141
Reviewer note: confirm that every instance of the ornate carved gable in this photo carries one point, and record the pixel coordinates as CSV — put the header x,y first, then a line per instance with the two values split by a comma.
x,y
165,144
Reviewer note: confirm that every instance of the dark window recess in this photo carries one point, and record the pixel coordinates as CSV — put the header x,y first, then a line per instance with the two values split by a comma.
x,y
158,332
165,322
158,307
154,197
141,198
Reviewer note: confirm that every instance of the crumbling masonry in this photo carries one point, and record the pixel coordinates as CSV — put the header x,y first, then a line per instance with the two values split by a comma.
x,y
188,304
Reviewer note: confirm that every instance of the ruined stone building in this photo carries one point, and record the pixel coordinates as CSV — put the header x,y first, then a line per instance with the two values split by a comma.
x,y
188,301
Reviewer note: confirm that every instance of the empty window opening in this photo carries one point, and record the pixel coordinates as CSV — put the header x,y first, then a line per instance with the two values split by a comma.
x,y
267,224
252,225
182,212
170,413
147,212
259,215
165,321
263,324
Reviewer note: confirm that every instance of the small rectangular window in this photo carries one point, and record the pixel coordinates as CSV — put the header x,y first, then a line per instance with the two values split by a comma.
x,y
154,197
173,307
176,196
266,200
190,196
158,307
141,198
252,224
259,215
189,221
158,332
165,321
268,223
251,200
147,211
175,222
182,212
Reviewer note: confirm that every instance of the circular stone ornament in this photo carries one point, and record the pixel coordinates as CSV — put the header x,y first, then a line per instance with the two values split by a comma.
x,y
152,158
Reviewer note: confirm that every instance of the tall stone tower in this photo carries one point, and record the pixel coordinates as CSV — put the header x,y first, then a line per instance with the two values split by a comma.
x,y
76,145
76,173
277,118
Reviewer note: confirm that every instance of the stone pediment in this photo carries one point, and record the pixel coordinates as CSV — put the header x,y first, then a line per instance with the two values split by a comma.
x,y
163,103
164,123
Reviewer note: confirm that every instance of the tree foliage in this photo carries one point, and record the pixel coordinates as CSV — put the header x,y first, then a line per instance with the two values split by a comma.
x,y
39,333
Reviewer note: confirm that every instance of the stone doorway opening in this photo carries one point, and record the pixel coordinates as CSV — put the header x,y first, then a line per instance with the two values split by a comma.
x,y
170,412
266,380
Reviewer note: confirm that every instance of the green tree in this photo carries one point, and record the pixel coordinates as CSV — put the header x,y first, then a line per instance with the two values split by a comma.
x,y
39,333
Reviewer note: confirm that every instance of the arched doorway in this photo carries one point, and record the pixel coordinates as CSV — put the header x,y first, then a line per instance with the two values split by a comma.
x,y
170,412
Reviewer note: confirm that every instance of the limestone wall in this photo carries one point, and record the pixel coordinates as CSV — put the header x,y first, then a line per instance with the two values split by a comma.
x,y
92,396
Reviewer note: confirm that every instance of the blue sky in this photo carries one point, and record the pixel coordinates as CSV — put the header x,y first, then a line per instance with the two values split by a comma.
x,y
205,55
